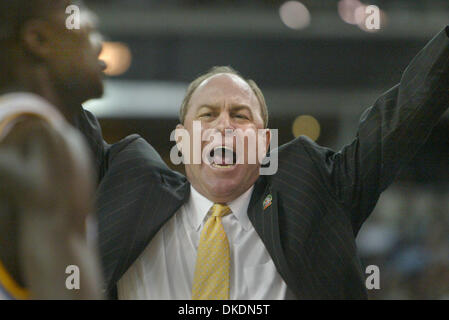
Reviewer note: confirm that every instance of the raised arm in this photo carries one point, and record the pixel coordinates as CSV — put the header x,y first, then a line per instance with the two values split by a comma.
x,y
390,132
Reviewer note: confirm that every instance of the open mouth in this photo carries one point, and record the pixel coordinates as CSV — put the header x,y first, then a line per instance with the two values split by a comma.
x,y
222,157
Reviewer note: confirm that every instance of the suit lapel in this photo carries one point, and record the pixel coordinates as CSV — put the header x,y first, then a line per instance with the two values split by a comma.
x,y
129,213
263,212
141,224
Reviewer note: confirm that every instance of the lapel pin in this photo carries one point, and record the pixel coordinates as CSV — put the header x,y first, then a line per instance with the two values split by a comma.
x,y
267,202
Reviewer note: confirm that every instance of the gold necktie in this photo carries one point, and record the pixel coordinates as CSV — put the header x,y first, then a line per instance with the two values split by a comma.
x,y
211,279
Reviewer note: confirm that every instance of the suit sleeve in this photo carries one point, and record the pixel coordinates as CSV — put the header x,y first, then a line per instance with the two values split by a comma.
x,y
108,155
389,133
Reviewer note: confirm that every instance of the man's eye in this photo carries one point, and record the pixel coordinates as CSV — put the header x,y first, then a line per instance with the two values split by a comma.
x,y
206,115
241,116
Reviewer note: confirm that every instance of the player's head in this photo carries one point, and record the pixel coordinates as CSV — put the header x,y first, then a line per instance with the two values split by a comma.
x,y
45,35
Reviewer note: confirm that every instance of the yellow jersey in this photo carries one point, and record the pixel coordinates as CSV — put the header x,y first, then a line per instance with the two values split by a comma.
x,y
12,107
9,289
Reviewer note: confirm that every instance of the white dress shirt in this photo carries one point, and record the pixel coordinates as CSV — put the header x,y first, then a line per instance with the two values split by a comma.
x,y
166,267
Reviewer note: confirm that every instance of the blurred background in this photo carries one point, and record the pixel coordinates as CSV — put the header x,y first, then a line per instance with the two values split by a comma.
x,y
319,67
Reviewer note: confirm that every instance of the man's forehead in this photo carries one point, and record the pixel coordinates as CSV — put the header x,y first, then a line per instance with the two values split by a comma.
x,y
225,80
224,85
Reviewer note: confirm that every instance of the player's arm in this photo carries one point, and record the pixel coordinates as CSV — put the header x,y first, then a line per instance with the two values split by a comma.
x,y
390,132
51,186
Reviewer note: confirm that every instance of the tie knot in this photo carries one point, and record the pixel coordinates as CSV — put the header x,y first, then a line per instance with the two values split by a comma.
x,y
220,210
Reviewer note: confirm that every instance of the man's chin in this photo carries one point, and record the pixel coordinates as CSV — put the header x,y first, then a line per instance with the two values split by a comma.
x,y
222,195
225,189
220,184
98,90
95,91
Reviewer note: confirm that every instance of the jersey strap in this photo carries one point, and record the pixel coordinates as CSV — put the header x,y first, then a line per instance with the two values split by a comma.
x,y
10,287
14,106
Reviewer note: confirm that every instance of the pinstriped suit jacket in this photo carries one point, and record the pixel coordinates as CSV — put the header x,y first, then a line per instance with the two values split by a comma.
x,y
320,197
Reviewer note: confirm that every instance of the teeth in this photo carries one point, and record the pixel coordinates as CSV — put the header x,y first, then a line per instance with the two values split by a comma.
x,y
222,166
222,151
223,147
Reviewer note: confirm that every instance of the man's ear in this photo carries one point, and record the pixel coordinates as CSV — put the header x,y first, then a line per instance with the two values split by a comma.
x,y
36,36
183,141
179,134
268,138
263,144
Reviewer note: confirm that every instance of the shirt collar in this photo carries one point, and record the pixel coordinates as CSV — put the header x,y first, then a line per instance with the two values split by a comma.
x,y
198,207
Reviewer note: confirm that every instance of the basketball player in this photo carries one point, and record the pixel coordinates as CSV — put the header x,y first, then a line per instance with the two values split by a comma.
x,y
46,183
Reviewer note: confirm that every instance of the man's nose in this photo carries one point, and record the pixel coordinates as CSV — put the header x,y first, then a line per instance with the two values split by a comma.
x,y
224,123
